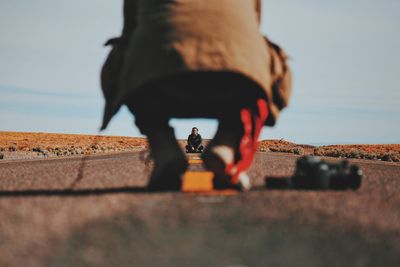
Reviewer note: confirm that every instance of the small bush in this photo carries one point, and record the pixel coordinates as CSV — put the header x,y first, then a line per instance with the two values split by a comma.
x,y
396,158
332,153
298,151
355,154
370,156
317,152
387,157
274,149
12,148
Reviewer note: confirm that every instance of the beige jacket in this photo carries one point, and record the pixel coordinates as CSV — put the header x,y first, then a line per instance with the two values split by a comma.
x,y
167,37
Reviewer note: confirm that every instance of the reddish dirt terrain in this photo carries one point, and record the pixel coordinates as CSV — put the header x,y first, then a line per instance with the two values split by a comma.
x,y
20,145
22,141
378,149
385,152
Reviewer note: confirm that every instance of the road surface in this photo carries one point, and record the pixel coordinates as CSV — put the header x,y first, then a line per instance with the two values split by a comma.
x,y
70,212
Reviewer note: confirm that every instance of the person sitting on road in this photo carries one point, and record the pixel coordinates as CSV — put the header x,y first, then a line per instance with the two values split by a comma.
x,y
194,142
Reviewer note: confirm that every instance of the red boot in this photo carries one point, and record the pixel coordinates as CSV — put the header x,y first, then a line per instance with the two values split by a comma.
x,y
231,152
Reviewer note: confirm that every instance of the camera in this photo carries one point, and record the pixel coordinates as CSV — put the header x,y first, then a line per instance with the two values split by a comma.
x,y
315,174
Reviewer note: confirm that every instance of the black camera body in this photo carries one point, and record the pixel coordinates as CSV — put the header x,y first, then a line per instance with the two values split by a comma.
x,y
315,174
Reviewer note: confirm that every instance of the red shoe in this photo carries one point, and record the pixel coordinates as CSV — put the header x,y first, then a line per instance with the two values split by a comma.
x,y
229,155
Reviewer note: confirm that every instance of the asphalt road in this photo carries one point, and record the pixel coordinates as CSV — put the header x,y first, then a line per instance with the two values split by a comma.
x,y
53,214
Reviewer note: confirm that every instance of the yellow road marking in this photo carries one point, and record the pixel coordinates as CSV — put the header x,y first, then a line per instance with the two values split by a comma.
x,y
196,181
195,161
201,182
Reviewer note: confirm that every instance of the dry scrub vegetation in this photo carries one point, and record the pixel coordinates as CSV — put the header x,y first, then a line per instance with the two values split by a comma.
x,y
14,145
17,145
386,152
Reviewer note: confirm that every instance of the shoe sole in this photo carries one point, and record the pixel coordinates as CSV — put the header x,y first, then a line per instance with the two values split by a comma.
x,y
214,163
221,179
169,178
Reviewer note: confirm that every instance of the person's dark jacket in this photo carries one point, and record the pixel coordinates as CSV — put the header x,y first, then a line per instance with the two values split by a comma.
x,y
194,140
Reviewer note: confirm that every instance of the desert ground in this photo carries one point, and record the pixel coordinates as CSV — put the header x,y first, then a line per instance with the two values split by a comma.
x,y
87,206
20,145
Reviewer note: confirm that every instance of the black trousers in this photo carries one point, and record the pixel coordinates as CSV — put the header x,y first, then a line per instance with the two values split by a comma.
x,y
190,149
216,95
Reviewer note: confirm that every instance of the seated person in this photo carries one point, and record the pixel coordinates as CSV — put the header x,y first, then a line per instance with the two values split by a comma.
x,y
194,142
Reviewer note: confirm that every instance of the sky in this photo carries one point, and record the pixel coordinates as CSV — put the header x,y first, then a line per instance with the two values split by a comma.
x,y
344,56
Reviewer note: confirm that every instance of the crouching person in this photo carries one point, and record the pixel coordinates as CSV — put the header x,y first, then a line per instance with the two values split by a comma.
x,y
172,51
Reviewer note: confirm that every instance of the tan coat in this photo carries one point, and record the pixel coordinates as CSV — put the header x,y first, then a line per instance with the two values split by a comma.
x,y
168,37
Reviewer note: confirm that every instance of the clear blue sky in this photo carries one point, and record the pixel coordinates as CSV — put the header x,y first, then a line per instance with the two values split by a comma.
x,y
345,60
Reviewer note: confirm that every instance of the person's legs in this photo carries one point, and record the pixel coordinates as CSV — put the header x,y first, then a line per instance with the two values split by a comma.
x,y
200,149
232,99
169,161
223,149
231,152
241,108
195,149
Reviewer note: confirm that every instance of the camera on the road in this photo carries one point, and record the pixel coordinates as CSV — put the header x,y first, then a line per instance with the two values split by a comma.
x,y
316,174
